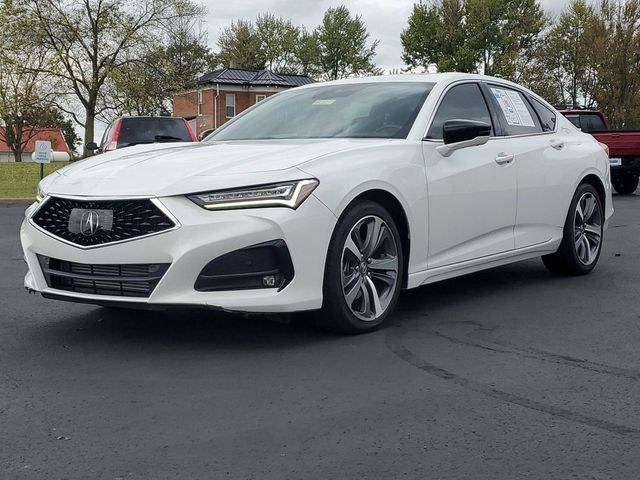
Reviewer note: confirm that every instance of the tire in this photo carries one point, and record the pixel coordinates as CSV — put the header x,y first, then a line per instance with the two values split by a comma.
x,y
359,272
582,236
624,184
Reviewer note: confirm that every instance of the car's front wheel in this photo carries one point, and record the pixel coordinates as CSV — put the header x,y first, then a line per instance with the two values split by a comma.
x,y
364,269
582,238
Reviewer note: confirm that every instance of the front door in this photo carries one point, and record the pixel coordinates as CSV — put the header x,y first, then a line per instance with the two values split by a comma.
x,y
472,193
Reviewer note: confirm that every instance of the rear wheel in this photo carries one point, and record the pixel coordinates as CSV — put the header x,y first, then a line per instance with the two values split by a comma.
x,y
624,184
364,269
582,237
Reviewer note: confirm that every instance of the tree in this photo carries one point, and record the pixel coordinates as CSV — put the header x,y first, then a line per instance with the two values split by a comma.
x,y
278,41
146,85
436,36
24,94
569,53
616,60
92,38
240,47
496,37
342,44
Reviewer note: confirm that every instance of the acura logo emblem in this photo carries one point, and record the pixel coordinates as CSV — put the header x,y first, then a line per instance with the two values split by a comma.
x,y
89,223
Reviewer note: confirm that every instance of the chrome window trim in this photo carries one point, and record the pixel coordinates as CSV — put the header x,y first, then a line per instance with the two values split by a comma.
x,y
487,83
156,201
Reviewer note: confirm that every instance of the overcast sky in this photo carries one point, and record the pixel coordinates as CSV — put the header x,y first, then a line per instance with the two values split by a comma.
x,y
385,19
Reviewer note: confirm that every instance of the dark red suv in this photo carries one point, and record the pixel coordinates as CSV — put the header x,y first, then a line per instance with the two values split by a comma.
x,y
127,131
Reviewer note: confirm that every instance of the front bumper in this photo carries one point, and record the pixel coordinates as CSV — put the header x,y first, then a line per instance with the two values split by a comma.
x,y
202,236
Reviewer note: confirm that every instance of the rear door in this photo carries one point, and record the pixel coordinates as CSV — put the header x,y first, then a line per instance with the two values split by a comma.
x,y
529,132
472,192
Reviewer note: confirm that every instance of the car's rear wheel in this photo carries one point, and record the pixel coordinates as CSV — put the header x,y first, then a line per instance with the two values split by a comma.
x,y
624,184
582,237
364,269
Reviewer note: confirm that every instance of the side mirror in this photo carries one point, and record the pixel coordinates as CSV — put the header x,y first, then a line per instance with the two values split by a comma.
x,y
93,146
458,134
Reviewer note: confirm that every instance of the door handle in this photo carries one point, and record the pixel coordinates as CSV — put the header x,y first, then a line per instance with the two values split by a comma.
x,y
557,144
504,159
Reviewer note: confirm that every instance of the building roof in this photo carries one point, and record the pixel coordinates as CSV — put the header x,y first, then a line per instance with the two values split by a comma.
x,y
54,135
237,76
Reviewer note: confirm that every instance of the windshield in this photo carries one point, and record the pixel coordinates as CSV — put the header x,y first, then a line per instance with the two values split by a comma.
x,y
136,130
370,110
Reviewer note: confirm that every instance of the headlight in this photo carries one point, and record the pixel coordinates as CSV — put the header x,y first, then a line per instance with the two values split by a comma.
x,y
285,194
41,194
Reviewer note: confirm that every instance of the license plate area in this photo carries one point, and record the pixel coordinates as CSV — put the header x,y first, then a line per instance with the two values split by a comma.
x,y
615,161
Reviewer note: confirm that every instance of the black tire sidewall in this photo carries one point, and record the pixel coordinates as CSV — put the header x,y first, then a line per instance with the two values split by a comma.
x,y
334,306
568,233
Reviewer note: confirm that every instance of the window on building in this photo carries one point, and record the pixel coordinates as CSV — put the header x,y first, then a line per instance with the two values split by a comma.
x,y
199,102
230,105
259,98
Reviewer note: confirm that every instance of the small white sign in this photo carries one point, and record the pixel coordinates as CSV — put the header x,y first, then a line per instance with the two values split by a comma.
x,y
513,107
42,153
615,161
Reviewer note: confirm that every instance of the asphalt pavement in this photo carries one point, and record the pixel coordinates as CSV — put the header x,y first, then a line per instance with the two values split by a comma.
x,y
506,374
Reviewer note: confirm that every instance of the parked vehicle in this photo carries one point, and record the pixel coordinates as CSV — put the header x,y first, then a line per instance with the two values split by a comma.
x,y
624,147
128,131
331,196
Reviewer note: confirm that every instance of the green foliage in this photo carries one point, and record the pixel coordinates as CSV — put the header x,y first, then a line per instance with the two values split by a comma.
x,y
240,47
615,55
342,43
336,49
568,53
489,36
90,39
436,36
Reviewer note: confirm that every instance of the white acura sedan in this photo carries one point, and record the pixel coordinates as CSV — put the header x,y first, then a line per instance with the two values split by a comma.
x,y
330,197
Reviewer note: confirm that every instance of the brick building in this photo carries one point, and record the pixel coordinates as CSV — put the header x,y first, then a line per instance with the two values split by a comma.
x,y
222,94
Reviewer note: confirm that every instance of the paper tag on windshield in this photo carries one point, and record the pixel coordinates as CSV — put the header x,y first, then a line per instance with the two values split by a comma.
x,y
513,107
324,102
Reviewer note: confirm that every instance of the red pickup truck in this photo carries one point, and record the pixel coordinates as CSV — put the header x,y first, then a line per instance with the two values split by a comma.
x,y
624,147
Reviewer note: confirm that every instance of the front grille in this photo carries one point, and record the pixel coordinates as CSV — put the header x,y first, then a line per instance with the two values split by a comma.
x,y
120,280
130,219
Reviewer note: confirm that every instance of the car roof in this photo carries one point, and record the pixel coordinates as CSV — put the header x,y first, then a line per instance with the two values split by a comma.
x,y
445,78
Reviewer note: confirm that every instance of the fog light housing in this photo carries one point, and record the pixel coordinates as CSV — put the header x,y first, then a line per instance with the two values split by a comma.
x,y
265,265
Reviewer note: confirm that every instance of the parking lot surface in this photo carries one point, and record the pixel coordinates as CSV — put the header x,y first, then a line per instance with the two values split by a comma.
x,y
509,373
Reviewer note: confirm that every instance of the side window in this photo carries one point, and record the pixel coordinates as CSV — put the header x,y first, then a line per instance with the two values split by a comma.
x,y
106,136
517,114
461,102
547,116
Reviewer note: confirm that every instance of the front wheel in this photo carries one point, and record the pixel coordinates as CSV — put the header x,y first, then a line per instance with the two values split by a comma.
x,y
582,237
625,184
364,270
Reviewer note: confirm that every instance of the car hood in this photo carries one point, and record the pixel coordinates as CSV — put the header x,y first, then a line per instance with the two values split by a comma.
x,y
174,169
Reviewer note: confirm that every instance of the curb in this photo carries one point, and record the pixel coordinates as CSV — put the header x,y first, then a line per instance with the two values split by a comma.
x,y
12,201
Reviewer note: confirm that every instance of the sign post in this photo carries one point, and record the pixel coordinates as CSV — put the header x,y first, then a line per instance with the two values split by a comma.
x,y
42,154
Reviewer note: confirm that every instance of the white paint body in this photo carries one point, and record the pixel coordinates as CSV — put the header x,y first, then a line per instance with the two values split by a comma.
x,y
465,211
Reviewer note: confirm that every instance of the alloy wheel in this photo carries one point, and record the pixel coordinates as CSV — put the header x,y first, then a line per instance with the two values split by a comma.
x,y
587,228
369,267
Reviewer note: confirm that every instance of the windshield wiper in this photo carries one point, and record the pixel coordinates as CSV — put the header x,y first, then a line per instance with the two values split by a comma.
x,y
166,137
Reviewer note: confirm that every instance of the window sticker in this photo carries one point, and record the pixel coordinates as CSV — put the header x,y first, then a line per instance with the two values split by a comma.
x,y
513,107
324,102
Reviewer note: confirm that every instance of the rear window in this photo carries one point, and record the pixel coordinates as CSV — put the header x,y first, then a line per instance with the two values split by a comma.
x,y
591,122
587,122
151,130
